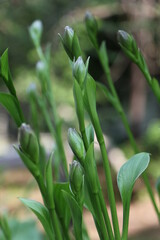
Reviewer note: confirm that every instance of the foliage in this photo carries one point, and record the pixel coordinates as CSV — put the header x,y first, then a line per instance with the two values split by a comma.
x,y
81,187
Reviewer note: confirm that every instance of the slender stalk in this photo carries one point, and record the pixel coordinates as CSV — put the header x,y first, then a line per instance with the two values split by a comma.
x,y
52,212
100,217
57,120
126,124
100,194
55,223
126,210
105,215
108,176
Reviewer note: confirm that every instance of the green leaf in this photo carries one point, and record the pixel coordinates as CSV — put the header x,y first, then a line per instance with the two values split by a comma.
x,y
129,173
90,133
62,209
28,162
24,230
11,104
5,72
42,214
76,215
158,186
5,227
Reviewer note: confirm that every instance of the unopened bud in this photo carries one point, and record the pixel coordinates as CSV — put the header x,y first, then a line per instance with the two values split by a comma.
x,y
79,70
70,43
28,142
76,178
35,31
76,144
92,28
125,40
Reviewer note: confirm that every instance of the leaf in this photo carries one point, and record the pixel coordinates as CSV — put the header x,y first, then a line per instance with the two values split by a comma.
x,y
5,72
11,104
129,173
62,209
28,162
42,214
4,226
90,133
76,213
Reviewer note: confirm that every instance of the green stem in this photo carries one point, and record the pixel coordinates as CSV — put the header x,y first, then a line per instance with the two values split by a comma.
x,y
55,223
100,217
51,210
101,198
105,215
126,209
125,121
50,98
108,176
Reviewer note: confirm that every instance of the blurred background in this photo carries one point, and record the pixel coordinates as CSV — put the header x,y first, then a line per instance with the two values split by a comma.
x,y
138,17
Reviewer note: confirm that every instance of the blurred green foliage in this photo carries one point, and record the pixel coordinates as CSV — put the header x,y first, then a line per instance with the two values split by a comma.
x,y
23,230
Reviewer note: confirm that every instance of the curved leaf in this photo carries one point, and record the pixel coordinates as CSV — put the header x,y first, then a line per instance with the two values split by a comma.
x,y
76,215
62,208
10,103
42,214
5,72
129,173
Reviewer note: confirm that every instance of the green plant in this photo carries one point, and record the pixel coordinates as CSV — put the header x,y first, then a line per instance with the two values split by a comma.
x,y
65,201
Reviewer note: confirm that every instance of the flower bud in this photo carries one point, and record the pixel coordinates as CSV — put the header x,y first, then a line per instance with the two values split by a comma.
x,y
35,31
79,70
76,178
28,142
92,28
70,43
125,40
76,144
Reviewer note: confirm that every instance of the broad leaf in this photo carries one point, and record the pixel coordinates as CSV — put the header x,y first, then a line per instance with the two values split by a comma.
x,y
10,103
76,215
129,173
42,214
126,178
